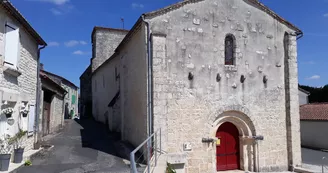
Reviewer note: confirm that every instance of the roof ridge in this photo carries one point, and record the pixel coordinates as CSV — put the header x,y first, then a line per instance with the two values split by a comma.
x,y
7,5
47,72
260,5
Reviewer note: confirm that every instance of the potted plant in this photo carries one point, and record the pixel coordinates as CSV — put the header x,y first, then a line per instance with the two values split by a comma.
x,y
17,143
24,112
8,112
169,169
5,153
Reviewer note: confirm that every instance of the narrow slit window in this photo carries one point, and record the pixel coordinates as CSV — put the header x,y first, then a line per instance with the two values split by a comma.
x,y
229,53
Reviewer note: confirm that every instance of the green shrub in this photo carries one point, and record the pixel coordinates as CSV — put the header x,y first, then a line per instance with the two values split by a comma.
x,y
169,169
28,163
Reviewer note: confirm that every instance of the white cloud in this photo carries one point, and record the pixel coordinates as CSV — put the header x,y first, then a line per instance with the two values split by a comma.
x,y
136,5
314,77
56,12
73,43
309,62
63,9
80,52
53,43
325,15
57,2
83,42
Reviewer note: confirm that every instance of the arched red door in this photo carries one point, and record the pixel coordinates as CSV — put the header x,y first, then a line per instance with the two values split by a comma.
x,y
227,149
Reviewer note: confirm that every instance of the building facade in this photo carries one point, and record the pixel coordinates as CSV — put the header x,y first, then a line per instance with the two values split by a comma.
x,y
104,43
314,125
19,58
303,96
52,105
71,109
218,77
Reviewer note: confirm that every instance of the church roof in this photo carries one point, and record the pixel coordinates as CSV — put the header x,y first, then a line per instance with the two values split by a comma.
x,y
314,111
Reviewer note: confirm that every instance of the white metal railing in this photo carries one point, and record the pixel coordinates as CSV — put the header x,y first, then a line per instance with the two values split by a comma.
x,y
324,166
150,150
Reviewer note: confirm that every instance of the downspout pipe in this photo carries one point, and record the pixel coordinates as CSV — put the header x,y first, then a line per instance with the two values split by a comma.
x,y
299,34
37,103
149,80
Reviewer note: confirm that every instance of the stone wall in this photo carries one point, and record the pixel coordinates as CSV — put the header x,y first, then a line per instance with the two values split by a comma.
x,y
311,136
86,92
130,64
191,40
21,89
133,88
105,85
104,43
303,98
57,114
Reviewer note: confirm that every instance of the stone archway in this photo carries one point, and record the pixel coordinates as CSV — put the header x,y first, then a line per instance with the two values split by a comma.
x,y
246,128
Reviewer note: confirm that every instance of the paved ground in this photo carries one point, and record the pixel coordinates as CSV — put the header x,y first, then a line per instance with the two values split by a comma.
x,y
312,159
83,146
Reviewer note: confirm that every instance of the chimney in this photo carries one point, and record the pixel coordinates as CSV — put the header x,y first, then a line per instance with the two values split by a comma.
x,y
41,66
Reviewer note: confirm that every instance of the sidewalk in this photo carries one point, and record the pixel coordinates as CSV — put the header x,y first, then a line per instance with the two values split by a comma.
x,y
27,156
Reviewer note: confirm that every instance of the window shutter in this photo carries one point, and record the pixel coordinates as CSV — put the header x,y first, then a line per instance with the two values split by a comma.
x,y
31,119
11,45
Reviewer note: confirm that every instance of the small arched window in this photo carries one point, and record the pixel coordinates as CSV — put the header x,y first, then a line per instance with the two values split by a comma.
x,y
229,51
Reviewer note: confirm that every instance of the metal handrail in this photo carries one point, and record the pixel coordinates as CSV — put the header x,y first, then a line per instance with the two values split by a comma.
x,y
148,141
323,165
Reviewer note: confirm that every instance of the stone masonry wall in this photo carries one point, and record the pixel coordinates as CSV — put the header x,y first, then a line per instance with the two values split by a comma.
x,y
86,92
104,83
133,88
105,42
57,114
23,87
130,63
192,41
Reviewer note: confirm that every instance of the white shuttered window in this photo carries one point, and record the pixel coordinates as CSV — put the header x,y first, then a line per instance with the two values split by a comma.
x,y
11,45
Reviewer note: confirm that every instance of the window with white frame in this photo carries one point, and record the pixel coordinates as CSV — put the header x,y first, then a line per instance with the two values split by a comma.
x,y
11,45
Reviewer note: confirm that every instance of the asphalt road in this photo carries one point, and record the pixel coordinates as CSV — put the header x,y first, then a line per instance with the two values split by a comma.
x,y
83,146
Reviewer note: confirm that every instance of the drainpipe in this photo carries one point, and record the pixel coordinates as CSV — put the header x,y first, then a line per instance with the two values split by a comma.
x,y
299,34
149,79
149,92
37,103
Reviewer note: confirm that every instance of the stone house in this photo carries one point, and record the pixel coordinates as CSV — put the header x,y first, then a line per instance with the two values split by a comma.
x,y
314,125
71,98
303,96
218,77
104,41
19,60
52,105
86,93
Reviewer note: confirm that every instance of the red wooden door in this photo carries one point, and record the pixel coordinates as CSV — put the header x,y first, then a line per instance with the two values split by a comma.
x,y
227,153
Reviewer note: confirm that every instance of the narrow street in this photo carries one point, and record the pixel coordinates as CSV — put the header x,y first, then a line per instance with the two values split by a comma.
x,y
83,146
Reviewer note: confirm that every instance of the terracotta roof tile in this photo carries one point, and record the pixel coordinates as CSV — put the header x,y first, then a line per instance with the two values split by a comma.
x,y
315,111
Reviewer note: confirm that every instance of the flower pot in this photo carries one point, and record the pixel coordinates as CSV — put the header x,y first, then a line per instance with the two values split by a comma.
x,y
4,162
8,115
18,155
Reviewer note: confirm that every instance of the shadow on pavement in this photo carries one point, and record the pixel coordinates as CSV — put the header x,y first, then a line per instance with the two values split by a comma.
x,y
97,136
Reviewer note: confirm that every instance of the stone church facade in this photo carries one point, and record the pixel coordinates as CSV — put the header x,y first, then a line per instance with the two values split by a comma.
x,y
223,80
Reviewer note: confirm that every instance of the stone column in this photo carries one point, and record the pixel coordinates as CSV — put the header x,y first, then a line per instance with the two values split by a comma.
x,y
160,85
292,103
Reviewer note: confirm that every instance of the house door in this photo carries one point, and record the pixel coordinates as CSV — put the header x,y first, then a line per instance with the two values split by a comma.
x,y
46,118
227,149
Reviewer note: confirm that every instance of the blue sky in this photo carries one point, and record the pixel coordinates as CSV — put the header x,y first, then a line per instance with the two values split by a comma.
x,y
66,25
